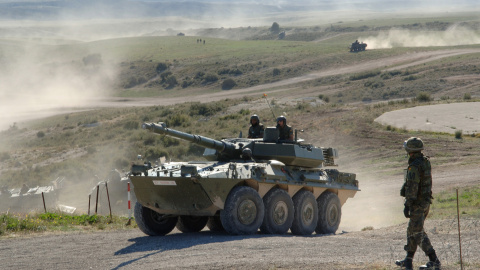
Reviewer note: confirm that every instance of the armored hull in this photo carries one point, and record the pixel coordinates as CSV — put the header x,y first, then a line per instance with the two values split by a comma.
x,y
264,187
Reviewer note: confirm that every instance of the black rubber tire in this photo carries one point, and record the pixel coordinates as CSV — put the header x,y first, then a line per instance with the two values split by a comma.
x,y
278,212
215,224
188,224
150,223
329,213
305,213
243,211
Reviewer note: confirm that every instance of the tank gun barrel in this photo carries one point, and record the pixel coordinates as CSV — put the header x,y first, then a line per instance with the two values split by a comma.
x,y
161,128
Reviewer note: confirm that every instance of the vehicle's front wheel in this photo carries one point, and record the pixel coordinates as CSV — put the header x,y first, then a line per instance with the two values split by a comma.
x,y
243,211
329,213
151,222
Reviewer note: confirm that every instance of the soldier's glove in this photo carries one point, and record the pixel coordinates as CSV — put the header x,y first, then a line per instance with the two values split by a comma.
x,y
406,211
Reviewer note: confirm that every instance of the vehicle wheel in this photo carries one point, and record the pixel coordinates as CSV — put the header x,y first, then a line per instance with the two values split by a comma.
x,y
305,216
243,212
329,213
151,222
215,224
278,212
188,224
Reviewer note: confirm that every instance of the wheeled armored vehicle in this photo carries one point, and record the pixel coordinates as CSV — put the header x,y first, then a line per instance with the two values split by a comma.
x,y
357,46
245,185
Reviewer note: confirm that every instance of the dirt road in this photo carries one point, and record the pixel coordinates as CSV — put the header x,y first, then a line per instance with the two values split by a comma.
x,y
131,249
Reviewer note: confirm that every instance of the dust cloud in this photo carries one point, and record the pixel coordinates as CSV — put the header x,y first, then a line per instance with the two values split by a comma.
x,y
38,81
454,36
377,205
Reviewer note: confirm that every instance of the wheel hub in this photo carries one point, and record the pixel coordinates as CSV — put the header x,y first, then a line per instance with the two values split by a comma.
x,y
332,215
307,214
247,211
280,213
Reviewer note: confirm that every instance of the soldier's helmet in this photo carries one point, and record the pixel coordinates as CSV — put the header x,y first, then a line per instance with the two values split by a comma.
x,y
282,118
254,117
413,144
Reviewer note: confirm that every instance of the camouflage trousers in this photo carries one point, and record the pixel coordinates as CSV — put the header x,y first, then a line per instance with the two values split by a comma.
x,y
416,235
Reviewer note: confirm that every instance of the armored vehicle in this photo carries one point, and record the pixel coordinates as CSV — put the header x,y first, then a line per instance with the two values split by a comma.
x,y
245,185
356,46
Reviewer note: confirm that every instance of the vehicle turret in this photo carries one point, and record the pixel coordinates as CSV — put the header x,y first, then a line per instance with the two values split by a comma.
x,y
292,153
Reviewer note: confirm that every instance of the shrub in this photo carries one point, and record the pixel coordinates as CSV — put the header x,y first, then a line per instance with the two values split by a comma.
x,y
423,97
186,83
40,134
131,125
165,75
364,75
228,84
458,134
199,75
176,120
210,78
276,72
205,109
275,28
171,81
410,78
467,96
161,67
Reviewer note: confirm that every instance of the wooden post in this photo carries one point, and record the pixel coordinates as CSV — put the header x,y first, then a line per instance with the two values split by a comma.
x,y
96,203
108,198
44,206
459,238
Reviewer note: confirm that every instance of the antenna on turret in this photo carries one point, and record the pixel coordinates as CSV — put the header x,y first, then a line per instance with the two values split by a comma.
x,y
265,96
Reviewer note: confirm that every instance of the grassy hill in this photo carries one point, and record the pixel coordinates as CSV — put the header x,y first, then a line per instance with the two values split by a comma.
x,y
82,144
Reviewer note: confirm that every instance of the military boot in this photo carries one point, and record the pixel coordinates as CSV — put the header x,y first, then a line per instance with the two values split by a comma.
x,y
435,265
407,263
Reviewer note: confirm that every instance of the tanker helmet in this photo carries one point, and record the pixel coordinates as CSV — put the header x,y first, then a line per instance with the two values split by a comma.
x,y
281,117
254,117
413,144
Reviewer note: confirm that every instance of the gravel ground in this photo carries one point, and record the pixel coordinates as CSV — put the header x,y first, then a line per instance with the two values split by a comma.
x,y
131,249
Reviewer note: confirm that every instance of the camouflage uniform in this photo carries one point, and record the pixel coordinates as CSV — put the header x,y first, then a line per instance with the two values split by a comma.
x,y
256,129
417,191
285,132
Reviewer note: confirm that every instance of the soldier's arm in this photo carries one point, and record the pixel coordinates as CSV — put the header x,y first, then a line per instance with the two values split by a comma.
x,y
411,185
290,134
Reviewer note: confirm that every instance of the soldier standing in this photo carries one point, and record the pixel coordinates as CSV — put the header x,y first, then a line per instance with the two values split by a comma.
x,y
285,131
417,191
256,128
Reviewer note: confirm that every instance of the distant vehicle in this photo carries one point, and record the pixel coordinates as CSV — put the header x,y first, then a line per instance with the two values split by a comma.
x,y
356,46
246,185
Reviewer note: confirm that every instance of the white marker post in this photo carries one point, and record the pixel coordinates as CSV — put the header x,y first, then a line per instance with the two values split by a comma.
x,y
129,205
